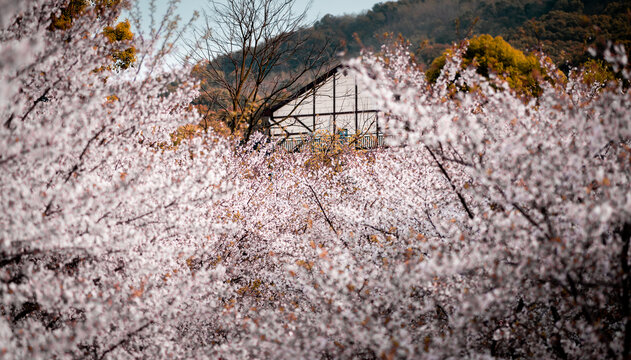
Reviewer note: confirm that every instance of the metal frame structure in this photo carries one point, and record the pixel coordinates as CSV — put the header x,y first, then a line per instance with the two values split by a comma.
x,y
293,140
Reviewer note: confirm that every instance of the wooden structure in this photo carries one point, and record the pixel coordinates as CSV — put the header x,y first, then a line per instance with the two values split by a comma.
x,y
332,104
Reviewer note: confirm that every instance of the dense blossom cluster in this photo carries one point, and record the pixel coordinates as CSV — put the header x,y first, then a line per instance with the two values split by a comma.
x,y
542,265
95,214
493,226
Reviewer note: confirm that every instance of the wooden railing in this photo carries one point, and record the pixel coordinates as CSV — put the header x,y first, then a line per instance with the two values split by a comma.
x,y
363,142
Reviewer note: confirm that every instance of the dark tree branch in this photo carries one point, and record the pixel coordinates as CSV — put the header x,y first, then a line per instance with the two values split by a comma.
x,y
525,214
384,232
453,186
315,196
126,339
42,98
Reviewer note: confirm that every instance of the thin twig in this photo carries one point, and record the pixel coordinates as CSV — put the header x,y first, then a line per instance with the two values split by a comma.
x,y
126,339
315,196
442,169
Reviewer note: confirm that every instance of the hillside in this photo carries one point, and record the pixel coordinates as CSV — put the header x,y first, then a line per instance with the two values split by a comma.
x,y
564,27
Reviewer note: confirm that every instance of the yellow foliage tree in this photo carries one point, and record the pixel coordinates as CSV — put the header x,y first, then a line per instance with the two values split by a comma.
x,y
596,71
65,19
123,59
74,9
493,54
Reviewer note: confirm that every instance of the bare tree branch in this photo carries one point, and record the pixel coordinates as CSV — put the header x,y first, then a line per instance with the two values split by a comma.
x,y
241,46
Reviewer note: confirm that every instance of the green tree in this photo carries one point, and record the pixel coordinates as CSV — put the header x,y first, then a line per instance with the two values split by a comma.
x,y
565,35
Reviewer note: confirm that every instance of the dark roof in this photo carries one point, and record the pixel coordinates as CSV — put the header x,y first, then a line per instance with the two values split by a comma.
x,y
319,80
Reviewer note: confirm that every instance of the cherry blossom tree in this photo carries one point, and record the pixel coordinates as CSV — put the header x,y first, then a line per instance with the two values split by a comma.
x,y
98,218
493,226
540,266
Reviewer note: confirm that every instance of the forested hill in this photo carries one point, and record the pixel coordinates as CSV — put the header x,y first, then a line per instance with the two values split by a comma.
x,y
564,28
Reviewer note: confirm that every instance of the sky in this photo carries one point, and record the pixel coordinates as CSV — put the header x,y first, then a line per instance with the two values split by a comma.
x,y
318,8
186,8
